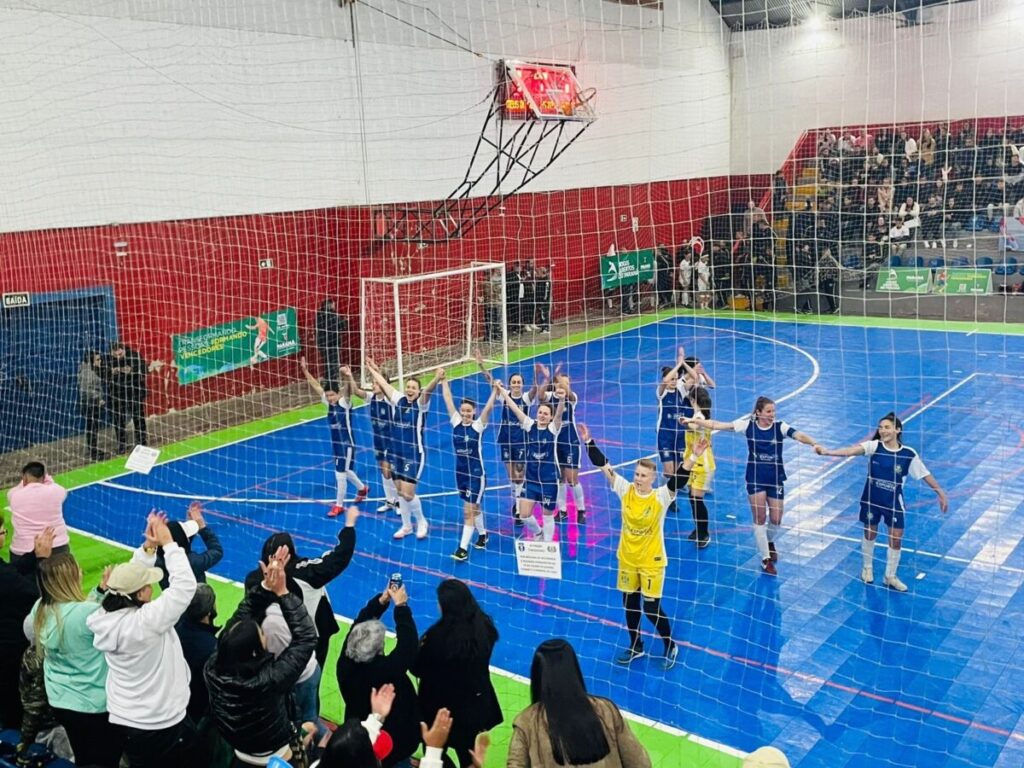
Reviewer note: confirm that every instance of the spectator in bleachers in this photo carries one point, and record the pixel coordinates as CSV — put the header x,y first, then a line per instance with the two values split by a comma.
x,y
75,671
19,590
198,637
453,666
684,276
780,193
38,723
308,577
564,725
931,221
908,219
147,680
183,534
364,744
92,399
806,284
363,667
36,503
927,150
249,688
829,272
664,270
721,274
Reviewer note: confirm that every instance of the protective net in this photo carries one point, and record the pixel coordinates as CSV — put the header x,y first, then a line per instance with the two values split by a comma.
x,y
617,192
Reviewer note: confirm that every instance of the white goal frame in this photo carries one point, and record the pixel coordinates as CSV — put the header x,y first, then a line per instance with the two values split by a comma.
x,y
467,349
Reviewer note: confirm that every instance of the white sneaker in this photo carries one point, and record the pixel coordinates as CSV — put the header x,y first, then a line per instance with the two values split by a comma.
x,y
943,242
402,532
925,242
421,529
385,507
867,575
956,243
893,582
934,244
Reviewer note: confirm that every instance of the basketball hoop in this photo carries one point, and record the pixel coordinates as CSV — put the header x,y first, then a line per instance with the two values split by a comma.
x,y
581,105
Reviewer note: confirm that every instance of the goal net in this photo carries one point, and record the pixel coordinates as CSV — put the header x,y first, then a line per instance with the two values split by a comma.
x,y
418,323
821,203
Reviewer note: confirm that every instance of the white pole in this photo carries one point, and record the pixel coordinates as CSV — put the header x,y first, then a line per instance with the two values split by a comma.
x,y
504,318
363,381
471,314
398,335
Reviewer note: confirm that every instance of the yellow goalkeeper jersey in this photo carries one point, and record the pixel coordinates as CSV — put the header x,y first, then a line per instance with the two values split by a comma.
x,y
642,542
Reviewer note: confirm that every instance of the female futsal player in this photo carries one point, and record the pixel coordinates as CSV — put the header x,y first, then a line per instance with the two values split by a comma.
x,y
568,447
381,417
766,473
703,465
339,419
407,440
882,499
541,461
470,480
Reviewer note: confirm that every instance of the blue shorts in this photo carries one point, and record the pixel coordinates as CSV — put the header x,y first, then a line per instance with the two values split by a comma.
x,y
406,468
670,445
772,491
568,454
380,455
545,494
345,461
870,514
471,487
514,453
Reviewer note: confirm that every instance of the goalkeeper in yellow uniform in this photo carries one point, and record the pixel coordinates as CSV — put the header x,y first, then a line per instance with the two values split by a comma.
x,y
642,558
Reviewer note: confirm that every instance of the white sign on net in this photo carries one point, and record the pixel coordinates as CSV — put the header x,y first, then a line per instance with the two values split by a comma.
x,y
539,558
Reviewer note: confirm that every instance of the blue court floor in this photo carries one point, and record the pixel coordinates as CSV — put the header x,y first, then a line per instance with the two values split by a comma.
x,y
834,672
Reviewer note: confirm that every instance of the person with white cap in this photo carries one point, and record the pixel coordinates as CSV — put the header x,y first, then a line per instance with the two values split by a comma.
x,y
148,679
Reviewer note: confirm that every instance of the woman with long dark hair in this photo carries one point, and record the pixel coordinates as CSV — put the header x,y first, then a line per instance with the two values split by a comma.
x,y
565,725
453,667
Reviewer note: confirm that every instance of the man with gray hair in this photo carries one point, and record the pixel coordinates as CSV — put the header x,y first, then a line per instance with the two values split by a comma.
x,y
363,667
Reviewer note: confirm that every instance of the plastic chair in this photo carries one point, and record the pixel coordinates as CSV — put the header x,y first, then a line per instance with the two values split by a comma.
x,y
895,260
1008,267
983,261
918,262
938,263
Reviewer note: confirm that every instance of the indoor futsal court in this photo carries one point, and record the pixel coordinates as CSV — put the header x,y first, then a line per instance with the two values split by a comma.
x,y
815,661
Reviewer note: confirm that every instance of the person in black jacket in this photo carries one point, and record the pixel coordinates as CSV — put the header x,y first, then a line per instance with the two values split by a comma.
x,y
308,577
126,387
201,562
249,688
542,300
330,326
363,666
19,591
453,665
198,636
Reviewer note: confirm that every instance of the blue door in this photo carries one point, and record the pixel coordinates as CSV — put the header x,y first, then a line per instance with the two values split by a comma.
x,y
41,346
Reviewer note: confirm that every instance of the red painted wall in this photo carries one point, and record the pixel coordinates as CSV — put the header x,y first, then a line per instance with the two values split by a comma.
x,y
182,275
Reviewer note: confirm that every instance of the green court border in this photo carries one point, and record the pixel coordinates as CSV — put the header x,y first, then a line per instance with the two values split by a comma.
x,y
668,747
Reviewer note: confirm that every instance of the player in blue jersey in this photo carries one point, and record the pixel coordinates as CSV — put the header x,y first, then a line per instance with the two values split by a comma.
x,y
569,449
889,463
470,478
339,420
766,473
381,416
511,438
407,442
671,404
542,472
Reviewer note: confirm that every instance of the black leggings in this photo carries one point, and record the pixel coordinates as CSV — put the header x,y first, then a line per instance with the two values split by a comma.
x,y
94,740
636,603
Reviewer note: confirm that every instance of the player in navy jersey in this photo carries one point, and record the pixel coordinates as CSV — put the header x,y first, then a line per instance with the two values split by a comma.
x,y
407,442
569,450
339,420
766,473
470,479
542,472
889,463
511,438
671,403
381,416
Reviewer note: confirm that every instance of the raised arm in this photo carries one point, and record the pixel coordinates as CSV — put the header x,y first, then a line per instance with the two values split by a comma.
x,y
382,382
483,368
680,362
503,393
702,372
596,455
541,377
429,389
563,397
446,393
310,378
485,414
351,385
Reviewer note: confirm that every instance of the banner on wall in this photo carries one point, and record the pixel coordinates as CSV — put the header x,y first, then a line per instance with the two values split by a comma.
x,y
226,347
627,268
904,280
963,282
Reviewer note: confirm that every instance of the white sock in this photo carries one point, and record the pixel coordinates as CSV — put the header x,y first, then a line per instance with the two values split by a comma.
x,y
416,508
518,489
467,534
351,475
892,562
390,491
773,531
478,523
562,493
761,539
341,481
577,495
549,527
531,525
867,551
404,509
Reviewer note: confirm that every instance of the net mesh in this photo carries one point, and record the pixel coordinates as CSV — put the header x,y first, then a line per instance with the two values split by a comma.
x,y
205,176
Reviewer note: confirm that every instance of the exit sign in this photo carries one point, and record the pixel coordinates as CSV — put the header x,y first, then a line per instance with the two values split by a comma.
x,y
12,300
266,263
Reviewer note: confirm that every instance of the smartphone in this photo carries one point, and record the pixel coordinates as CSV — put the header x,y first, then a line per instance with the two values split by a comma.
x,y
395,582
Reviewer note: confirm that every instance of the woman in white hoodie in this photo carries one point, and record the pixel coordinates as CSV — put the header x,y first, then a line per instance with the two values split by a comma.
x,y
148,679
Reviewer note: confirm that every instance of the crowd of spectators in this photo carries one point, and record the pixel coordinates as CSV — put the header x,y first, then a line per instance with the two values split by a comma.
x,y
117,674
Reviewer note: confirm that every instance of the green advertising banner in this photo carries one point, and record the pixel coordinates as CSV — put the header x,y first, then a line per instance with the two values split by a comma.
x,y
627,268
965,282
226,347
904,280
